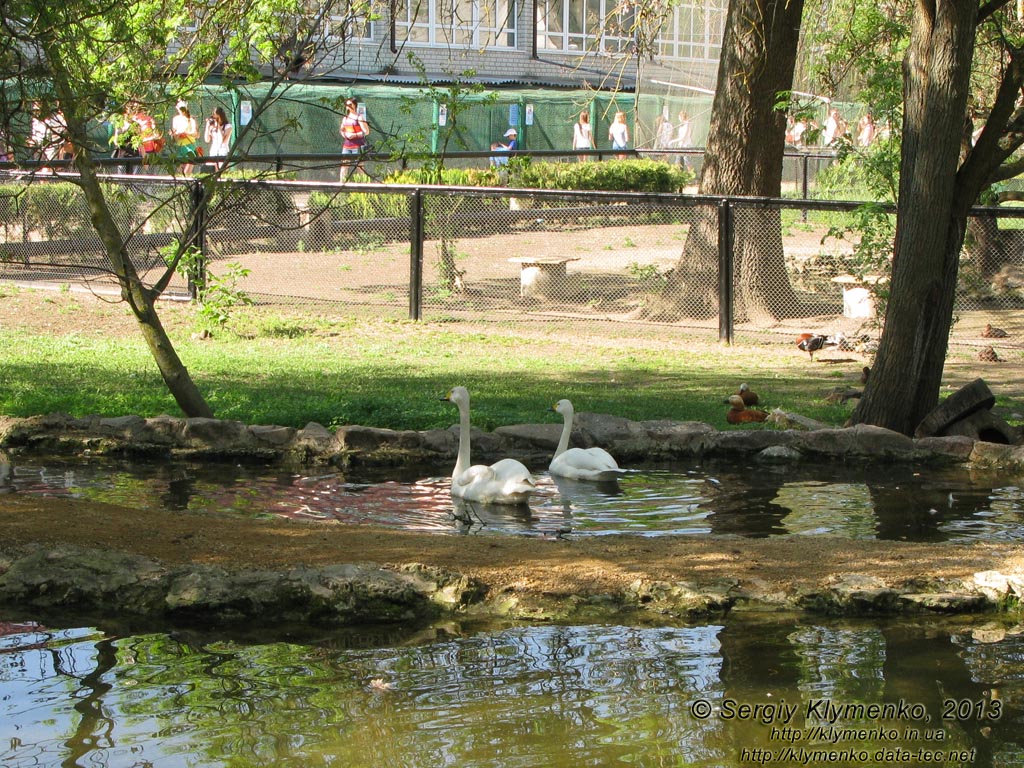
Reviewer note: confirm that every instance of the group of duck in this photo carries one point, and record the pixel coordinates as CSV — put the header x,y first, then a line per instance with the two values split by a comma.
x,y
509,481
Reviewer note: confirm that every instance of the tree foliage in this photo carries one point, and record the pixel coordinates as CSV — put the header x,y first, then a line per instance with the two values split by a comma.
x,y
90,59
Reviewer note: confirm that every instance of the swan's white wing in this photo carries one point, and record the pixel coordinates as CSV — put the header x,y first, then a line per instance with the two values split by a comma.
x,y
475,475
584,464
510,469
505,482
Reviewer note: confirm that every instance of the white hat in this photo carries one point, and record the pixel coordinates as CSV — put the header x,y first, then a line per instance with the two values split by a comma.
x,y
181,103
511,132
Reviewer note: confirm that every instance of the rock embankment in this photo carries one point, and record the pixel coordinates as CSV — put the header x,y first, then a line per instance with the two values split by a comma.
x,y
70,578
629,441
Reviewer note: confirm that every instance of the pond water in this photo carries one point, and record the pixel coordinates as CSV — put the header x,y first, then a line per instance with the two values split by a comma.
x,y
749,690
880,501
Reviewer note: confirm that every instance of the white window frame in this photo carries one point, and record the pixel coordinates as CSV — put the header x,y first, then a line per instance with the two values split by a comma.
x,y
586,26
439,23
350,26
694,31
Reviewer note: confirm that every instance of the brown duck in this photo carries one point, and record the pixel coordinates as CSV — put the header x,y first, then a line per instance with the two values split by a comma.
x,y
740,414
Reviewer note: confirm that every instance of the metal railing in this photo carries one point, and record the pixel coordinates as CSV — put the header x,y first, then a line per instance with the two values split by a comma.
x,y
724,268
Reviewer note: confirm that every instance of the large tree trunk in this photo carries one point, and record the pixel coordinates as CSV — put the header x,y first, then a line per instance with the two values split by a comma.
x,y
744,156
931,219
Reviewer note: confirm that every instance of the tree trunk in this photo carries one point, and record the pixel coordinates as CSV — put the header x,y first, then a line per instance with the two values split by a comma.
x,y
987,247
744,156
140,298
931,219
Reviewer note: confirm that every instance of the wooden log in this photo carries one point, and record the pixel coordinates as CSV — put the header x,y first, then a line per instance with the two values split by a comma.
x,y
970,398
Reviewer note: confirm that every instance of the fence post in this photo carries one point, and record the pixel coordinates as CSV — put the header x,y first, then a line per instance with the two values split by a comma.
x,y
803,184
416,255
196,237
726,241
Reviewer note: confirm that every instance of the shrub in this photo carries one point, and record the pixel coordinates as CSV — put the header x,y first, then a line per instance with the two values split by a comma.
x,y
649,176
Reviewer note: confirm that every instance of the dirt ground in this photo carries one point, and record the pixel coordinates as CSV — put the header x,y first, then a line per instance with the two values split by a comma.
x,y
518,565
545,567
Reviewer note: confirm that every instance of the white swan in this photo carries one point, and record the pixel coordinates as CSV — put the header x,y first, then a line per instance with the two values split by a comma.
x,y
504,482
580,463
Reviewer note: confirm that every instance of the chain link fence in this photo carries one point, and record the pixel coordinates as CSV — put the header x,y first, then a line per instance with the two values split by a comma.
x,y
738,269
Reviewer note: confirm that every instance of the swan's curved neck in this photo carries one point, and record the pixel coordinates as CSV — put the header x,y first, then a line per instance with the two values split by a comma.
x,y
563,441
462,462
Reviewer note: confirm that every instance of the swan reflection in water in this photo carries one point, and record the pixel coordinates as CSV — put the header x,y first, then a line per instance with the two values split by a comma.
x,y
552,512
476,516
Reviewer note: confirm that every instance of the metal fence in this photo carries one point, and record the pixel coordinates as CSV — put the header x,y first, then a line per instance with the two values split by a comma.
x,y
733,269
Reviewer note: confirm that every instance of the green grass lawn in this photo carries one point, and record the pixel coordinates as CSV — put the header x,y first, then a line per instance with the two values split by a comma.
x,y
300,368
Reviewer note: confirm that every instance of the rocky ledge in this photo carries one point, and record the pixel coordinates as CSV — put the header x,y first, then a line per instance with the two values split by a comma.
x,y
629,441
90,581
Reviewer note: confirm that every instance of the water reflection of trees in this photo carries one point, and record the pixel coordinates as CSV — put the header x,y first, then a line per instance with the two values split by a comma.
x,y
547,695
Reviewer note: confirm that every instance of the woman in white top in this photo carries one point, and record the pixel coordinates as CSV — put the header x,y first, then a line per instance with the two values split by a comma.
x,y
582,136
218,134
618,133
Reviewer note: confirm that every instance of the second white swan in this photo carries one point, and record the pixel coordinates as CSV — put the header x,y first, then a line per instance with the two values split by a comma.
x,y
505,482
580,463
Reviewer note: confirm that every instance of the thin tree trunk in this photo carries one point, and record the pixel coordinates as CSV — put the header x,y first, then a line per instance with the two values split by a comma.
x,y
140,299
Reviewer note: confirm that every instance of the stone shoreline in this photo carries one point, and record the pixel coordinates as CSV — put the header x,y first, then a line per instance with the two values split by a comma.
x,y
110,582
629,441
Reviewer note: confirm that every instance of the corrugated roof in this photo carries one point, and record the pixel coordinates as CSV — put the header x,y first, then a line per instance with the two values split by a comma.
x,y
622,83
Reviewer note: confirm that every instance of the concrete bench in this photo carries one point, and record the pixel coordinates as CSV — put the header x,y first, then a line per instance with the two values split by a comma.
x,y
542,276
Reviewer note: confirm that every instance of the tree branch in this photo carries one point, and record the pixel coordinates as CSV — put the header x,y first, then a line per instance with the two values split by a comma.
x,y
990,8
1002,135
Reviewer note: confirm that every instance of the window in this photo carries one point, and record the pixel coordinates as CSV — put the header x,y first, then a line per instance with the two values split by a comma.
x,y
352,20
694,31
461,23
586,26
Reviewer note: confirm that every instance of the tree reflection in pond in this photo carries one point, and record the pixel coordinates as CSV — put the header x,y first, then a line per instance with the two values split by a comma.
x,y
515,696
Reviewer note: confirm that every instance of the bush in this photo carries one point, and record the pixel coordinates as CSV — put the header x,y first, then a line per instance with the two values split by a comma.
x,y
58,210
618,176
649,176
451,177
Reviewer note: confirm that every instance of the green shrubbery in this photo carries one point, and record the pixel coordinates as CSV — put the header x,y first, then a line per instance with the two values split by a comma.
x,y
611,176
56,210
649,176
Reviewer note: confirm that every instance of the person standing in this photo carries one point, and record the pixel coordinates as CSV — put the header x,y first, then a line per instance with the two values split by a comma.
x,y
150,140
618,134
582,136
683,139
185,133
865,130
218,134
354,131
513,144
663,133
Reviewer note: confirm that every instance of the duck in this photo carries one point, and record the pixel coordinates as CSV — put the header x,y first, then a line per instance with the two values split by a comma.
x,y
505,482
579,463
748,395
989,355
740,414
811,342
991,332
